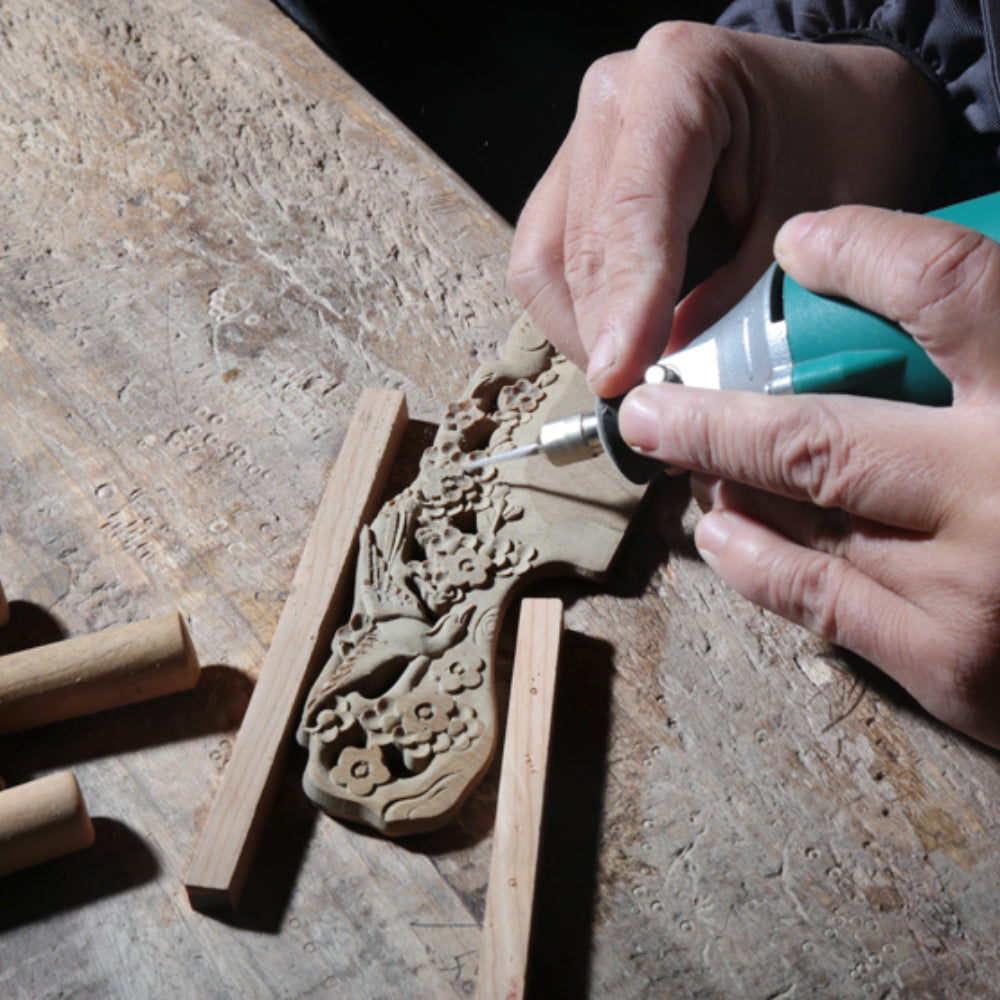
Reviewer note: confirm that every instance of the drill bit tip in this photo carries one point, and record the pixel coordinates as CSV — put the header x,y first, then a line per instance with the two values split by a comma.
x,y
522,451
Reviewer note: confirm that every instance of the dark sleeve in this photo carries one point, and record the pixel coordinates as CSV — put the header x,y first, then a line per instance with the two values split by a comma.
x,y
952,42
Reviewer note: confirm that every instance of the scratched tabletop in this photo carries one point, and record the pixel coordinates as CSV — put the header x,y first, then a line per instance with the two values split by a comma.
x,y
212,239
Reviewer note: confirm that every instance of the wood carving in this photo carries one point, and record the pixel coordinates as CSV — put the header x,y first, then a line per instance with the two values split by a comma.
x,y
401,722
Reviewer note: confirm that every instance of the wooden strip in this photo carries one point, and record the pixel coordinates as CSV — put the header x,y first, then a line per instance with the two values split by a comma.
x,y
4,608
91,673
503,955
41,820
301,642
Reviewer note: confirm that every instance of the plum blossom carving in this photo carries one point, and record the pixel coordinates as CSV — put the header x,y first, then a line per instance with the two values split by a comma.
x,y
464,728
522,397
456,673
339,721
361,770
467,424
423,716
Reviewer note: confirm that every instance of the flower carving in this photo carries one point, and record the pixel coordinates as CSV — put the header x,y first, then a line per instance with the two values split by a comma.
x,y
466,422
423,716
340,720
361,770
523,396
455,674
508,558
464,728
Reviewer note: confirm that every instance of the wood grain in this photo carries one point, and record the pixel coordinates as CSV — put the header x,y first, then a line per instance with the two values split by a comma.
x,y
41,820
503,959
301,642
213,241
93,673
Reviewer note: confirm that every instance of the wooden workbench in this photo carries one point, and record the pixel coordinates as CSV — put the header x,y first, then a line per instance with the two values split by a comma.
x,y
210,241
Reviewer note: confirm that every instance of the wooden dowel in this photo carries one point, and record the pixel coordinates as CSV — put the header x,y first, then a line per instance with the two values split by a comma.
x,y
503,956
300,644
4,608
41,820
90,673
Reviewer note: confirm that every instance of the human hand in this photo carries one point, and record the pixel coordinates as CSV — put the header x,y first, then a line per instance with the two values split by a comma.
x,y
772,126
871,523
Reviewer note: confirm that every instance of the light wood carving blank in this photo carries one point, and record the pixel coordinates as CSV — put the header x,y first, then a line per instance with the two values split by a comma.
x,y
41,820
91,673
503,956
301,641
401,723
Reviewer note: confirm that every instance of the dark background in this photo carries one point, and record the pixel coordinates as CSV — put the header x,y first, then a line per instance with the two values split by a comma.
x,y
491,89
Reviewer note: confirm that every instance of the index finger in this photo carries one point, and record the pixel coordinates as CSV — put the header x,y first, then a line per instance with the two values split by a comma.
x,y
658,182
869,457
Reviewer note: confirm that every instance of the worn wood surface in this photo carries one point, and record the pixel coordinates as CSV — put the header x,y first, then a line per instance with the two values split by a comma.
x,y
212,241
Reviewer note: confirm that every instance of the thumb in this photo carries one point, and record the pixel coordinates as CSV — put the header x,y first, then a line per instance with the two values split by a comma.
x,y
938,280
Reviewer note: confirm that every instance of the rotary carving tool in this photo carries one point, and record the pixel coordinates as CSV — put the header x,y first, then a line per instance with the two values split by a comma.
x,y
779,339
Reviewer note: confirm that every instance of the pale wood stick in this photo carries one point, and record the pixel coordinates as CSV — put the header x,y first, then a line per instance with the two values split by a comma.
x,y
90,673
4,608
41,820
503,956
301,642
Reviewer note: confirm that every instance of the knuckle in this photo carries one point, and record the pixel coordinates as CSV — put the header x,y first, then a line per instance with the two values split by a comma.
x,y
966,265
531,270
600,85
818,591
813,453
633,216
703,64
811,589
671,40
583,251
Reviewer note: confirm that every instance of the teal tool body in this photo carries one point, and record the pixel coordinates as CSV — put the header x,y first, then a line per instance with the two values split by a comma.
x,y
779,339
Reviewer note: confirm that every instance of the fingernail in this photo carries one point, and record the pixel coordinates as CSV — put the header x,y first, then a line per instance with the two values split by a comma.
x,y
639,422
603,356
711,534
793,232
705,489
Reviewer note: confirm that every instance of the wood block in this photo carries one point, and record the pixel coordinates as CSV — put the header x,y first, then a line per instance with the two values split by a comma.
x,y
401,723
301,640
41,820
91,673
503,957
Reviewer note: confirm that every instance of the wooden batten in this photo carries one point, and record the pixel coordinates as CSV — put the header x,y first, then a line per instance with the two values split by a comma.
x,y
510,893
301,640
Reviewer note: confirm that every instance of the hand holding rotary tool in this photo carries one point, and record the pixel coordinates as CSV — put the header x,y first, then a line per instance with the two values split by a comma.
x,y
870,522
779,339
